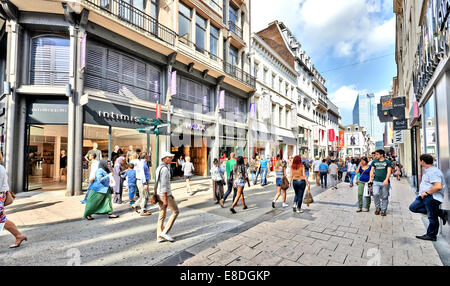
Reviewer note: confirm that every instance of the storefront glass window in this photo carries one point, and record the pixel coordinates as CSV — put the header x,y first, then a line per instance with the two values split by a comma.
x,y
50,61
235,108
430,134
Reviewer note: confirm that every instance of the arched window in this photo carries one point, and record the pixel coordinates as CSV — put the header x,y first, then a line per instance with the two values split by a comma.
x,y
50,60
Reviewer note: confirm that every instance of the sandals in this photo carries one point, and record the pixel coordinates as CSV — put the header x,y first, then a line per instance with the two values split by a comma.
x,y
90,218
113,216
17,244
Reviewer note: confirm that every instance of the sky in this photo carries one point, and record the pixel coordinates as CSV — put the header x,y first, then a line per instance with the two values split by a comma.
x,y
339,34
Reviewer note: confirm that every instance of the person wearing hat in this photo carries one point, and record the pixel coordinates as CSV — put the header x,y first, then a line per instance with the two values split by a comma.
x,y
165,198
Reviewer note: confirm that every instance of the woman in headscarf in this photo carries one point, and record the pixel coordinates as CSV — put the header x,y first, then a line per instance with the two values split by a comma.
x,y
117,175
99,200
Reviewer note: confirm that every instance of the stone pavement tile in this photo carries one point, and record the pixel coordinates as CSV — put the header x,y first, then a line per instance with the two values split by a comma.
x,y
355,236
223,257
333,232
250,242
289,253
207,252
403,243
312,260
246,252
365,245
198,261
338,257
303,239
319,235
348,229
252,233
315,228
326,244
283,234
341,240
287,262
240,262
355,261
266,259
350,250
267,246
308,249
228,245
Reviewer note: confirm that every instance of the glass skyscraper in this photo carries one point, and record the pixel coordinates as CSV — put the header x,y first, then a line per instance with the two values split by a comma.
x,y
365,115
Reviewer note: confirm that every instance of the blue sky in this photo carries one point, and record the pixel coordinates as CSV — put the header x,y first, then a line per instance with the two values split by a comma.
x,y
337,33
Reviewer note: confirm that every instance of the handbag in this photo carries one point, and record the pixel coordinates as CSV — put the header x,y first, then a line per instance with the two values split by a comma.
x,y
308,197
10,196
155,196
284,183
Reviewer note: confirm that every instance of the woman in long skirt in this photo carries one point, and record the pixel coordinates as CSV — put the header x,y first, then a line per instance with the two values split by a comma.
x,y
118,171
99,199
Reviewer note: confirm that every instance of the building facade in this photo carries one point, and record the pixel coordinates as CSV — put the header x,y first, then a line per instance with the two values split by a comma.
x,y
80,75
423,76
274,126
365,115
357,141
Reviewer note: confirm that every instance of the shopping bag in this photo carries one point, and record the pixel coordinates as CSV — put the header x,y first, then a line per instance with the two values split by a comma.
x,y
366,190
308,197
1,227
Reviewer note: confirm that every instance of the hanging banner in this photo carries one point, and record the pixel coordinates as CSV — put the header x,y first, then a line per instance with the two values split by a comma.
x,y
158,111
341,139
386,102
331,135
83,53
173,83
222,99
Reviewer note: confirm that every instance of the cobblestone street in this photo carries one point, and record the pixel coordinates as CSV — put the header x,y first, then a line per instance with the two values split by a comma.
x,y
331,233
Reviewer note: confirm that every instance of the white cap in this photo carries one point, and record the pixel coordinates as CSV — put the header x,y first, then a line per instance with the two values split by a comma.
x,y
166,154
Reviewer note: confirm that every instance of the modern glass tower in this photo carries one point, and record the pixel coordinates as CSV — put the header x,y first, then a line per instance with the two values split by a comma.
x,y
365,115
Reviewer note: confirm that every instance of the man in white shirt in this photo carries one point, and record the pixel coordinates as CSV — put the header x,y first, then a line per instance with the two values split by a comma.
x,y
165,199
316,164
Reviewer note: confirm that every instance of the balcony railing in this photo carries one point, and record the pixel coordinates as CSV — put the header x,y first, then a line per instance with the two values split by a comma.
x,y
323,103
215,6
126,12
239,74
235,29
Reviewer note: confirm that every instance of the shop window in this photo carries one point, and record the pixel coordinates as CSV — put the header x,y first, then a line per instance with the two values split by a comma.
x,y
114,72
430,133
235,108
200,34
50,61
192,96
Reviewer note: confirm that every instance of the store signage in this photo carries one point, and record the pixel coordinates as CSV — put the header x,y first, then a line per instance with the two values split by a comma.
x,y
222,99
116,115
83,52
414,113
433,44
398,137
386,102
400,124
173,83
47,111
195,126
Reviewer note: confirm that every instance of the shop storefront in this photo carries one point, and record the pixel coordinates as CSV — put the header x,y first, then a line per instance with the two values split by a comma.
x,y
107,125
233,140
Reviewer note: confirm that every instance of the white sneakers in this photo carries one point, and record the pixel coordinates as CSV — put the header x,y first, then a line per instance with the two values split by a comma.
x,y
285,205
167,237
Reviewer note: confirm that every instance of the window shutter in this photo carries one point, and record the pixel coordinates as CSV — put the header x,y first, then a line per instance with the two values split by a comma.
x,y
94,67
112,72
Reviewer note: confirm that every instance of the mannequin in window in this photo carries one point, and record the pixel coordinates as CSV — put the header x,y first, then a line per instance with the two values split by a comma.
x,y
98,153
115,153
130,152
62,166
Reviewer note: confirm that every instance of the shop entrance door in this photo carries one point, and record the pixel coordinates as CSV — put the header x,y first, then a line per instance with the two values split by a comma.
x,y
45,166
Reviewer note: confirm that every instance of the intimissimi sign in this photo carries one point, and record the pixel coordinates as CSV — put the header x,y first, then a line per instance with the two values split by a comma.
x,y
116,115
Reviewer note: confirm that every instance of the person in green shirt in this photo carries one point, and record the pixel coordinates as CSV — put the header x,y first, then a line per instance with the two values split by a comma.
x,y
229,168
379,175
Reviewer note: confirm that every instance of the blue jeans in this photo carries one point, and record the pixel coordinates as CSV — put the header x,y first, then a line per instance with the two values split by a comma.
x,y
230,187
253,177
323,179
299,189
430,207
380,192
131,192
256,177
263,176
352,176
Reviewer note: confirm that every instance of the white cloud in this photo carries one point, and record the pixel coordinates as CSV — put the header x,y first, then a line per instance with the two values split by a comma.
x,y
346,27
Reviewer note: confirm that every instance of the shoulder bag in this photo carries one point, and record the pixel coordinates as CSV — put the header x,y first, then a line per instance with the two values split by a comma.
x,y
308,197
284,183
155,196
10,196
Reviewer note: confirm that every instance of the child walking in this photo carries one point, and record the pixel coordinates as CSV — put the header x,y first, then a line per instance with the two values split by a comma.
x,y
130,174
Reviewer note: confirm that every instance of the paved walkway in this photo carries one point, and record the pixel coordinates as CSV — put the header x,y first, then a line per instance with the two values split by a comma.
x,y
330,233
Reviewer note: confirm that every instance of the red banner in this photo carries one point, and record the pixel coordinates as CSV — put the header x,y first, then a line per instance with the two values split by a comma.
x,y
341,139
331,135
158,111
